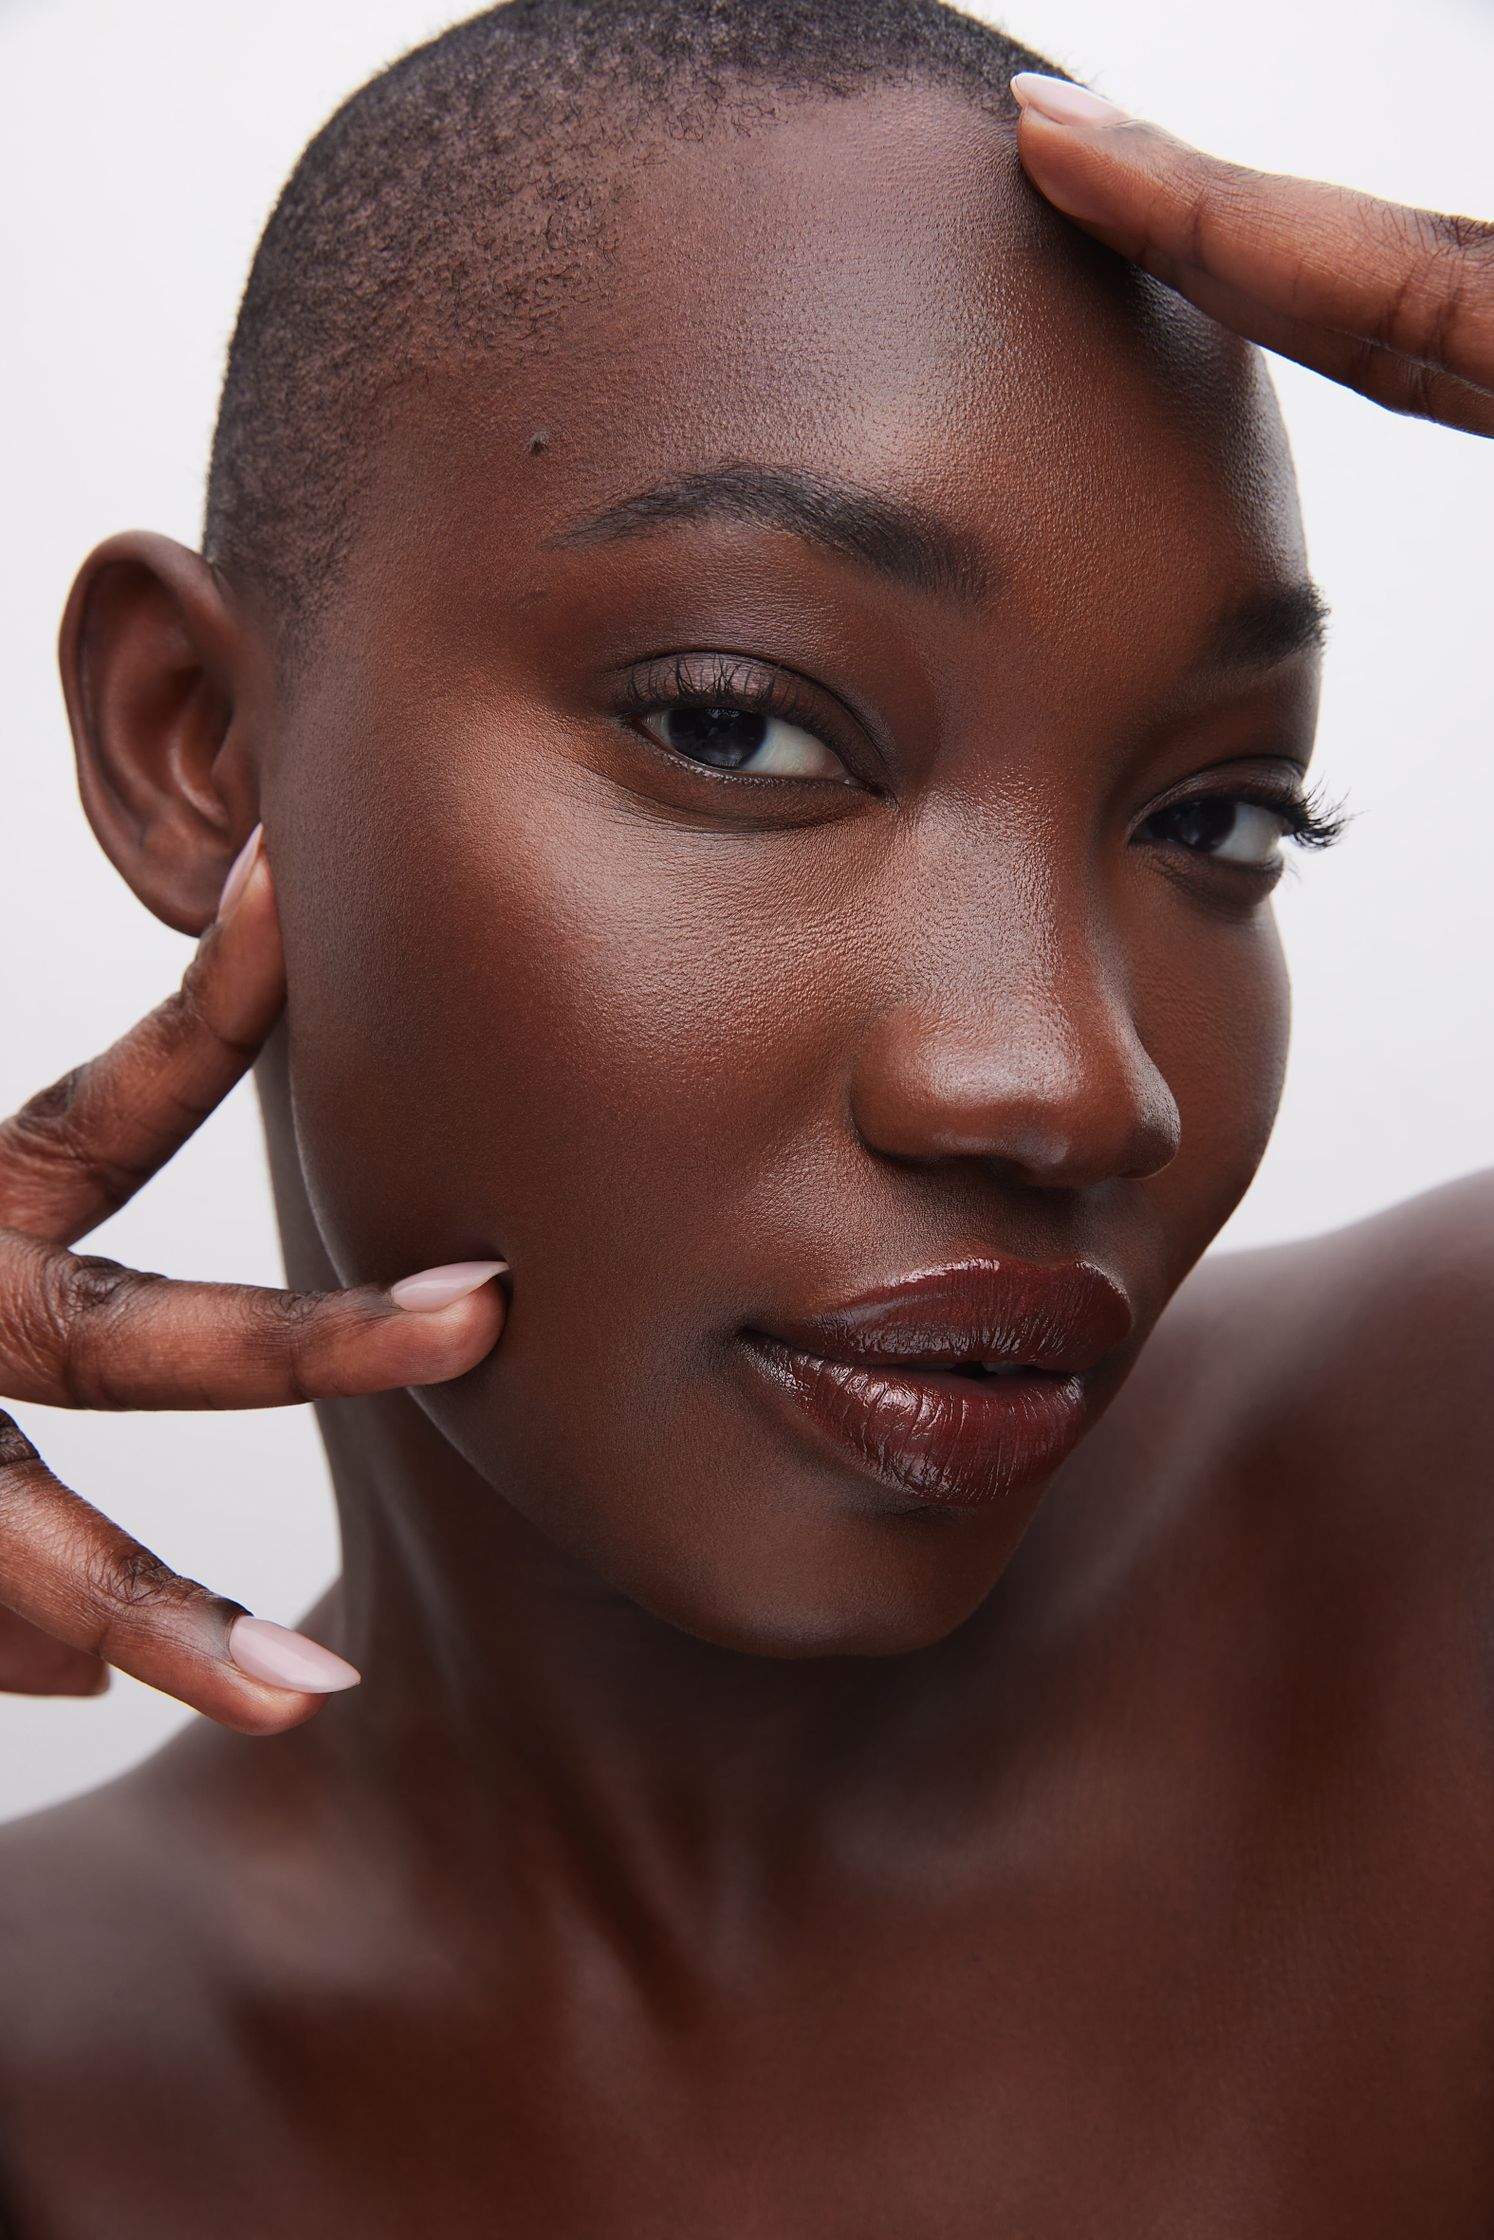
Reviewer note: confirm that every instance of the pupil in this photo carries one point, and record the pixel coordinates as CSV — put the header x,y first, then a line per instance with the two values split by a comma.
x,y
723,737
1203,824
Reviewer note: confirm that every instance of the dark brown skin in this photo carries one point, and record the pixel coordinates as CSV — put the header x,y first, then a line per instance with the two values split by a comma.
x,y
715,1845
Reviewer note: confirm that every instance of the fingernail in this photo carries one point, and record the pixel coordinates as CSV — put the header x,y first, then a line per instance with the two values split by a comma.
x,y
1060,100
437,1287
238,876
284,1659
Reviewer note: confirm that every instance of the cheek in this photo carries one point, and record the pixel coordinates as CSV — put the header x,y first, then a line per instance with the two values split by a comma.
x,y
1218,1028
542,1021
534,1017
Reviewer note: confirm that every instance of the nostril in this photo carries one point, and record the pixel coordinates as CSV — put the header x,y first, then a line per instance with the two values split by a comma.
x,y
1054,1109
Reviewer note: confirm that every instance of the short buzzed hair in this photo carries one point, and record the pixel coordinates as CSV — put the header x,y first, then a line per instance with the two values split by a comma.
x,y
455,203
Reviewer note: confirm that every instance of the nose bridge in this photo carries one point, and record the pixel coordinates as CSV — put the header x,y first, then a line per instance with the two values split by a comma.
x,y
1007,1031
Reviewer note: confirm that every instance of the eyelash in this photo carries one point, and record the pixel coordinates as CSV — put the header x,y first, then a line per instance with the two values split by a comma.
x,y
734,683
739,683
1305,816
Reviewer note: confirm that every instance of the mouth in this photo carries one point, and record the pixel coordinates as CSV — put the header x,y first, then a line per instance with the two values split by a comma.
x,y
961,1387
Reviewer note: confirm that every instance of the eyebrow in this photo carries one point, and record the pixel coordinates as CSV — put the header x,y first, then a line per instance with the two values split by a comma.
x,y
1267,627
894,537
910,546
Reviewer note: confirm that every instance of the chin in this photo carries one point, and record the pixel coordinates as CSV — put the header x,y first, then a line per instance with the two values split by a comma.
x,y
877,1607
732,1544
807,1635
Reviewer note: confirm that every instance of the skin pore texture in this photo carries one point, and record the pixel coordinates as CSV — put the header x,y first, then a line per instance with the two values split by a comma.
x,y
720,1841
743,1059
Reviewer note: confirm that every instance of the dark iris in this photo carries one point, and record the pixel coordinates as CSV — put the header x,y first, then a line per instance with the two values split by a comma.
x,y
723,737
1202,824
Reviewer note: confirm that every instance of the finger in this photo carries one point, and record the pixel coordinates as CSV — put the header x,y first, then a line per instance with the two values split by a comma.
x,y
33,1663
70,1574
80,1332
1413,283
76,1152
1400,384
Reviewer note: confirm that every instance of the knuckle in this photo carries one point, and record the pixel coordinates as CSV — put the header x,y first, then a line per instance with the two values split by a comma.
x,y
73,1313
292,1320
90,1286
1442,310
16,1450
294,1312
1221,196
1226,180
174,1029
1463,237
52,1106
180,1017
130,1578
58,1128
124,1586
45,1128
1197,210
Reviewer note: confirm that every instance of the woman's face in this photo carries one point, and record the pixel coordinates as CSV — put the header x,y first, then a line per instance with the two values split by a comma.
x,y
929,976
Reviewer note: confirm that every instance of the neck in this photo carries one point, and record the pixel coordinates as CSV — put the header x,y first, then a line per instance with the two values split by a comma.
x,y
518,1717
520,1722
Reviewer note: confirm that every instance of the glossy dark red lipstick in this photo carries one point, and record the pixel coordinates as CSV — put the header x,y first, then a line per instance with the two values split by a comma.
x,y
959,1386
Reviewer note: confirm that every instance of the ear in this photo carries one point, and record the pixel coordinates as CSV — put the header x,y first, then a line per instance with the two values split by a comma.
x,y
161,670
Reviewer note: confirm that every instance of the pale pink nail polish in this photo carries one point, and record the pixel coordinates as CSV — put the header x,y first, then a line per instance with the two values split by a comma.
x,y
1062,102
285,1659
434,1288
239,871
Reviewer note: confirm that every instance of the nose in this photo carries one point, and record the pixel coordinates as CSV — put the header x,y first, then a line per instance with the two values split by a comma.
x,y
1049,1079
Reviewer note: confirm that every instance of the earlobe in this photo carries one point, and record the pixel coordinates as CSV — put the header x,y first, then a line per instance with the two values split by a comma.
x,y
155,671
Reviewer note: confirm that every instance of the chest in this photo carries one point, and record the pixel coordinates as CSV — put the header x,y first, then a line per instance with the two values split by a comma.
x,y
1176,2041
1218,1964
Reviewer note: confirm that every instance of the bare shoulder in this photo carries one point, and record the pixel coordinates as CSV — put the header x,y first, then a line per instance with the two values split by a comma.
x,y
1431,1257
1291,1500
1395,1312
1349,1375
69,1875
97,1932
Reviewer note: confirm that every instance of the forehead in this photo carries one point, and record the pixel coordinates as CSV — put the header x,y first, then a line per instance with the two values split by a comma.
x,y
869,289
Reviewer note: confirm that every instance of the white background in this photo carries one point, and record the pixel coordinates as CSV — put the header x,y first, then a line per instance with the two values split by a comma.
x,y
141,147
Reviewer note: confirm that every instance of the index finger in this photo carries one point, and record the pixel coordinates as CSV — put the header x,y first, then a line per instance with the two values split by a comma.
x,y
1390,300
74,1154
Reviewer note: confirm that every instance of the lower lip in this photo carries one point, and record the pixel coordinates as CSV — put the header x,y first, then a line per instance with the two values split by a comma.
x,y
951,1441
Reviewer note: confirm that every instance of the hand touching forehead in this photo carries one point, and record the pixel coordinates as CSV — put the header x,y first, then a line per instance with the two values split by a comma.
x,y
866,295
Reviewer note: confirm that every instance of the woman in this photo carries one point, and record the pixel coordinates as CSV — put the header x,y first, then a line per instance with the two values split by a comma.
x,y
888,1703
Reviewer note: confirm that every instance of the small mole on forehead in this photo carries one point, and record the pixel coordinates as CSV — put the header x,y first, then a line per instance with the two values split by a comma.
x,y
539,441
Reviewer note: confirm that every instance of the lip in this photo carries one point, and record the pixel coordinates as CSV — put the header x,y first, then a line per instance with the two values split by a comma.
x,y
878,1375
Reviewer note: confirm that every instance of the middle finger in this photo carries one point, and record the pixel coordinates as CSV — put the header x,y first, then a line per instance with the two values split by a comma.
x,y
73,1155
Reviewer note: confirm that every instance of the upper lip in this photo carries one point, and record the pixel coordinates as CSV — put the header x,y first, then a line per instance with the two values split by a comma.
x,y
1062,1316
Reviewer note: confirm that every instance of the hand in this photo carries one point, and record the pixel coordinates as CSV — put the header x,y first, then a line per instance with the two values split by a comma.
x,y
77,1593
1394,302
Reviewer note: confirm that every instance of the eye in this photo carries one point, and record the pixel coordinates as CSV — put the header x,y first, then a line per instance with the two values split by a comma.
x,y
1229,828
729,713
751,740
1246,828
